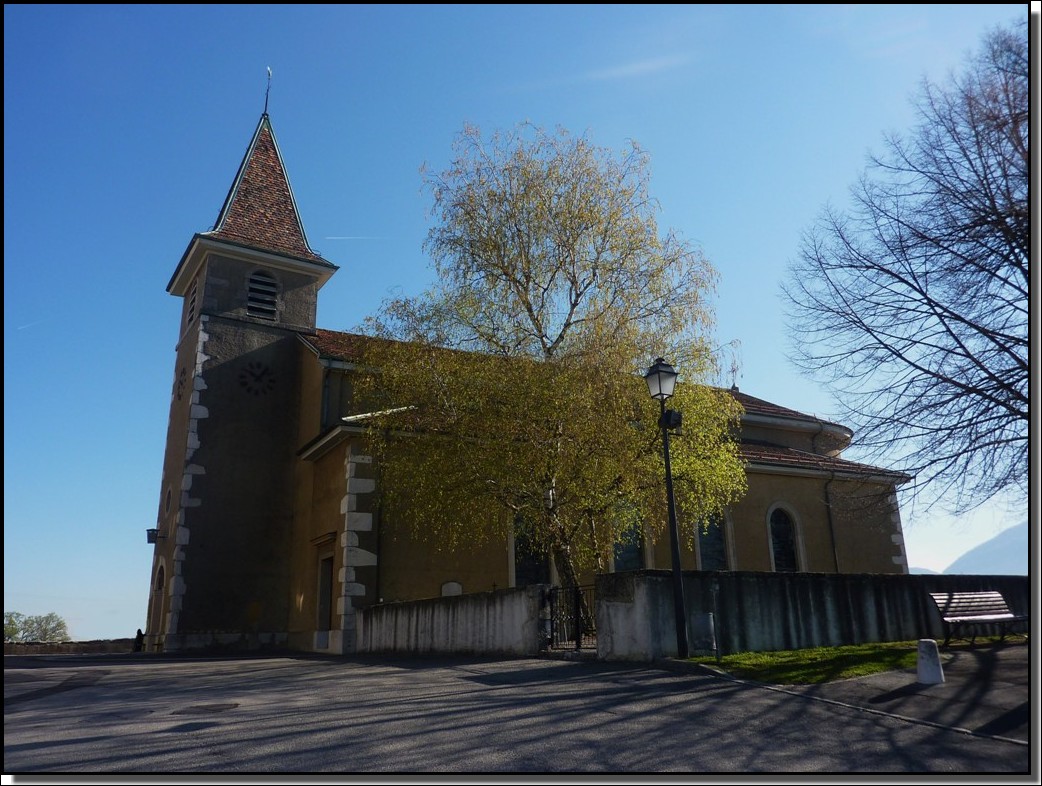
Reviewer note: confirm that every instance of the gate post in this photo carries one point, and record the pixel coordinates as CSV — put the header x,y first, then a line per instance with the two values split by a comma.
x,y
578,610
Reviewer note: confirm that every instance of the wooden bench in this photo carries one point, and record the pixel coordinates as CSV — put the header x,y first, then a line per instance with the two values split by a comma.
x,y
974,610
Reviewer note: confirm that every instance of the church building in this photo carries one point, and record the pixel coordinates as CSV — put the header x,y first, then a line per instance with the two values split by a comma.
x,y
268,531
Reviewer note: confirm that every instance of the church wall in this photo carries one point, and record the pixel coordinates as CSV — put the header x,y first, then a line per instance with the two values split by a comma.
x,y
799,440
318,528
303,574
803,499
235,578
868,525
312,376
864,519
412,567
336,520
303,568
338,397
660,555
360,537
166,584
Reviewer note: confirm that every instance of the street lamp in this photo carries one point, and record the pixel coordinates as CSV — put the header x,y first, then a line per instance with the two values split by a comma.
x,y
661,379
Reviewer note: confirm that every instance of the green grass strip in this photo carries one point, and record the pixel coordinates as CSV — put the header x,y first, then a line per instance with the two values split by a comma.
x,y
821,664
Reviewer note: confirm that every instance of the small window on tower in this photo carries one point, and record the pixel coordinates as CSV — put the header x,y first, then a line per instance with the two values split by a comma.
x,y
193,299
262,296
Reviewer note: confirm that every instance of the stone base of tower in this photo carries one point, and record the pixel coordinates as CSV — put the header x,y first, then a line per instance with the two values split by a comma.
x,y
231,642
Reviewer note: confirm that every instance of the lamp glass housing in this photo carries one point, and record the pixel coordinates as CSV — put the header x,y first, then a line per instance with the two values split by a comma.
x,y
661,379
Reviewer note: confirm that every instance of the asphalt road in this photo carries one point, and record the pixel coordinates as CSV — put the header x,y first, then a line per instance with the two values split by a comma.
x,y
310,715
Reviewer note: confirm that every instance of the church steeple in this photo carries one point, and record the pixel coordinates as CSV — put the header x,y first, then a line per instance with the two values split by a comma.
x,y
250,290
260,210
258,215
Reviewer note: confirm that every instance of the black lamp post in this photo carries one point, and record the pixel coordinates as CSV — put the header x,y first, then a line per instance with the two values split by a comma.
x,y
661,379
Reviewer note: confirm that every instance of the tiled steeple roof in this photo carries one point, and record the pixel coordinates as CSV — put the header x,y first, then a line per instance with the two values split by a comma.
x,y
260,211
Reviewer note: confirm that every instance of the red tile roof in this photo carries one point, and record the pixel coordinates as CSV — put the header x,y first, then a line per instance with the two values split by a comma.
x,y
348,347
756,452
335,345
260,211
757,406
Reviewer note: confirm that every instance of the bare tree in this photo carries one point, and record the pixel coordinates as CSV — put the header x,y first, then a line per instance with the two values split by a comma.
x,y
913,304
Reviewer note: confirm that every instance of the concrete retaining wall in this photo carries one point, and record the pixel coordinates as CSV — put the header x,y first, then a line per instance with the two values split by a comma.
x,y
504,622
68,647
759,612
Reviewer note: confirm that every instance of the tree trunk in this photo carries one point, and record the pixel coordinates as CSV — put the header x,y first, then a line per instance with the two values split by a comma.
x,y
566,573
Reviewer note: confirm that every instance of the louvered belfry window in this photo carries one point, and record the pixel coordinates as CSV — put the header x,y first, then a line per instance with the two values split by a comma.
x,y
262,296
193,302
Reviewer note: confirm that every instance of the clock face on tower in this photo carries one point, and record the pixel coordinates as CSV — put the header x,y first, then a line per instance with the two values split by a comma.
x,y
256,378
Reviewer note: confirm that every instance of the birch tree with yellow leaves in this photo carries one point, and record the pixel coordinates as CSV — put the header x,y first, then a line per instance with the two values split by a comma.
x,y
513,386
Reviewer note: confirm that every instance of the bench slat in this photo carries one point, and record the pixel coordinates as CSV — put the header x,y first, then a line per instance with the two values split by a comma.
x,y
973,609
982,619
970,603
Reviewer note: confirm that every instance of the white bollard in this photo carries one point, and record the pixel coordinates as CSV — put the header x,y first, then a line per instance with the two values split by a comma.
x,y
929,667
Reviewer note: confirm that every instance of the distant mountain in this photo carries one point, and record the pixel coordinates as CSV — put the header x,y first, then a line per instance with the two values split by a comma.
x,y
922,570
1004,555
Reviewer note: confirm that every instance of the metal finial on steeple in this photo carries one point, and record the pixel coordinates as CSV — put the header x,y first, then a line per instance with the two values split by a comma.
x,y
266,92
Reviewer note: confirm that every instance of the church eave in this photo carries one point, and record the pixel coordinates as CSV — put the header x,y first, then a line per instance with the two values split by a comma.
x,y
326,441
809,425
879,476
204,243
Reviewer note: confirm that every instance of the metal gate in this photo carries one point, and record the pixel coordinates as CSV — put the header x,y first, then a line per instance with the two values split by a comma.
x,y
572,618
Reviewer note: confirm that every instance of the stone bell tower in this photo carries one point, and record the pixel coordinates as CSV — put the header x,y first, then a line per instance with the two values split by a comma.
x,y
249,287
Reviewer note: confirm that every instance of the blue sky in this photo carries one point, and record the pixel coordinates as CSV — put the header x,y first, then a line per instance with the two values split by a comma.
x,y
124,127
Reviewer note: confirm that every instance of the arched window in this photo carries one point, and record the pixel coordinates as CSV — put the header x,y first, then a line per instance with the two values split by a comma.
x,y
783,542
629,551
531,564
712,545
262,296
160,579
